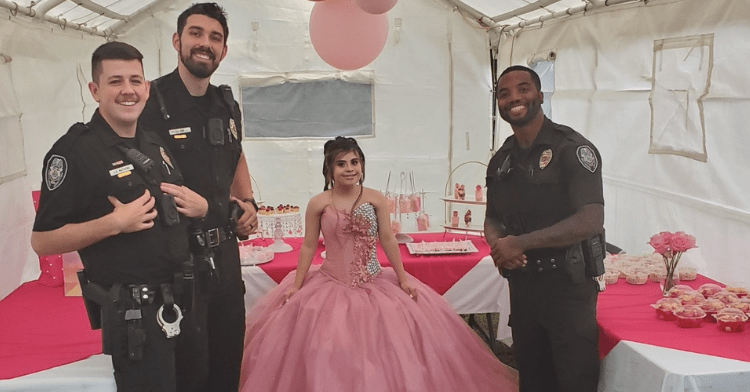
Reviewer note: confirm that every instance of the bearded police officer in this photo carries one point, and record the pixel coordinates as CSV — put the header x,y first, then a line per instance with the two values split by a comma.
x,y
201,123
544,223
113,193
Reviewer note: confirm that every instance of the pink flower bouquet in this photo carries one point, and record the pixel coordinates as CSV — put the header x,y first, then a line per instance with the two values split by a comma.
x,y
671,246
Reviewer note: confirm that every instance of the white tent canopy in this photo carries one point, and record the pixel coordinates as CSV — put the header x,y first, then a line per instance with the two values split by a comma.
x,y
658,86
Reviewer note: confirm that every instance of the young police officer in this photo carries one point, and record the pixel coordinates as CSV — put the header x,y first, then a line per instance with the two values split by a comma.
x,y
113,193
544,223
201,124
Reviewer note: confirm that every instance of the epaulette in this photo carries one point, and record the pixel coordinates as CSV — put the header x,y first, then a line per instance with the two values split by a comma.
x,y
226,94
77,129
563,128
570,133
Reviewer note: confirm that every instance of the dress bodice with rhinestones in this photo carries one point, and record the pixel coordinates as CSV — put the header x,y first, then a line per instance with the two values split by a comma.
x,y
351,240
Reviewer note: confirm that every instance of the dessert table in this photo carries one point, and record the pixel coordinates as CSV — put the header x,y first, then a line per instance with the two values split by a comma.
x,y
469,282
643,353
639,352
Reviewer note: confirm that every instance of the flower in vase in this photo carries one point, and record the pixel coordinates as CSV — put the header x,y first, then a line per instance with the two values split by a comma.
x,y
682,242
671,246
660,242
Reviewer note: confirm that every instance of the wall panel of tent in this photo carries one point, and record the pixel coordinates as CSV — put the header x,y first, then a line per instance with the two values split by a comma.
x,y
605,62
432,110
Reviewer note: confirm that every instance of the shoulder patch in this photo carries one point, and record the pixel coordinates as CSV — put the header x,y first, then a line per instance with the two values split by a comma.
x,y
587,157
54,173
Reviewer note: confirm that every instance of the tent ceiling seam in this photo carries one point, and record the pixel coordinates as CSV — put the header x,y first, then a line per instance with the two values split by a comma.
x,y
99,9
522,10
590,5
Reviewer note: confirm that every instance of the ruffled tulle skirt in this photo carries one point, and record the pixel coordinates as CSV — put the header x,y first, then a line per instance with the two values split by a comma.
x,y
330,337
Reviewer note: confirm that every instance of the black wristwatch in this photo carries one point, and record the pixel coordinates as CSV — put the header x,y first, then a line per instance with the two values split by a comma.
x,y
251,200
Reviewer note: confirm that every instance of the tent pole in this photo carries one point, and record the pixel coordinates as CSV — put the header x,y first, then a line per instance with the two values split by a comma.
x,y
479,17
15,8
44,6
522,10
594,4
450,99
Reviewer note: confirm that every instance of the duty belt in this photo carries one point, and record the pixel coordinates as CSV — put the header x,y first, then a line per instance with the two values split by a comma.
x,y
217,235
144,294
544,260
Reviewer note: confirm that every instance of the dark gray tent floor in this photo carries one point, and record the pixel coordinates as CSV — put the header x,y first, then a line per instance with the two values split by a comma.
x,y
503,352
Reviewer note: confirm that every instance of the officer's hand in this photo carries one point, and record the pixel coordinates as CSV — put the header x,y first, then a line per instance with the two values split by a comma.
x,y
137,215
248,222
189,203
511,264
506,253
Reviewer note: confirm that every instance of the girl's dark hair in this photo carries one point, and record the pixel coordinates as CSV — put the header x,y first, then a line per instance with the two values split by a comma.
x,y
332,149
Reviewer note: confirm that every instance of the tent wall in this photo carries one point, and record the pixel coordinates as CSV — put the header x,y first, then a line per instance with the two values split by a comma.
x,y
603,74
51,95
431,94
432,102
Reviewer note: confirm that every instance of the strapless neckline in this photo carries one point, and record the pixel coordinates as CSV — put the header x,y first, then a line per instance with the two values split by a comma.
x,y
355,209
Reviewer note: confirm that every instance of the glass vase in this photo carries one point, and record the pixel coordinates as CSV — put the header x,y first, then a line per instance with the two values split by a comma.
x,y
669,280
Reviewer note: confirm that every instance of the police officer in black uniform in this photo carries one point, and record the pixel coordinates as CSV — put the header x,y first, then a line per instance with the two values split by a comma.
x,y
202,126
114,194
544,223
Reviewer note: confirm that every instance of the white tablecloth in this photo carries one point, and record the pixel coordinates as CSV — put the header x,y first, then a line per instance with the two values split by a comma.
x,y
629,367
635,367
481,290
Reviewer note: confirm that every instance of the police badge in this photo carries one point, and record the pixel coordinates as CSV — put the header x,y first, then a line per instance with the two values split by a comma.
x,y
233,128
587,158
54,175
545,158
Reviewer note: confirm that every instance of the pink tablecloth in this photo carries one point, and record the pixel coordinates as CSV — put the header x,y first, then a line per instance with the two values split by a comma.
x,y
623,313
40,328
438,271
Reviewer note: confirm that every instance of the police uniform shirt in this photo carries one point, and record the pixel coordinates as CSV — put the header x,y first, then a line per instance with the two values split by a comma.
x,y
84,167
208,169
545,183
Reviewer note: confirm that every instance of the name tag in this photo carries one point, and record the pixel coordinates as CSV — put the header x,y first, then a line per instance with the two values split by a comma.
x,y
179,131
121,171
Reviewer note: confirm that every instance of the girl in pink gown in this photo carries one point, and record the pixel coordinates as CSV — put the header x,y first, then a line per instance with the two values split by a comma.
x,y
351,325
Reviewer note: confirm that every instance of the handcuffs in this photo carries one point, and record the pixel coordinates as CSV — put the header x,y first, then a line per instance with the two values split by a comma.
x,y
170,329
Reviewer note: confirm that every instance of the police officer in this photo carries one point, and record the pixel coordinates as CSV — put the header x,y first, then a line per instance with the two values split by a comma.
x,y
544,223
201,123
114,194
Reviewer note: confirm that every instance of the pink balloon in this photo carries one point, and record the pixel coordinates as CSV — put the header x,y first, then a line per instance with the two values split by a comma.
x,y
346,37
376,6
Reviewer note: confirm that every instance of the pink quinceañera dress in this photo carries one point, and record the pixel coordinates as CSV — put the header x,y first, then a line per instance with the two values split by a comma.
x,y
352,328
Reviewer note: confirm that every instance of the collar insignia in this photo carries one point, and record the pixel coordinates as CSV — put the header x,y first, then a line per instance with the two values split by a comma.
x,y
545,158
165,157
233,128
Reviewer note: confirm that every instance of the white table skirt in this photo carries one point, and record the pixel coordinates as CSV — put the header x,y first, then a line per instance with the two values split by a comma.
x,y
481,290
632,366
628,367
93,374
